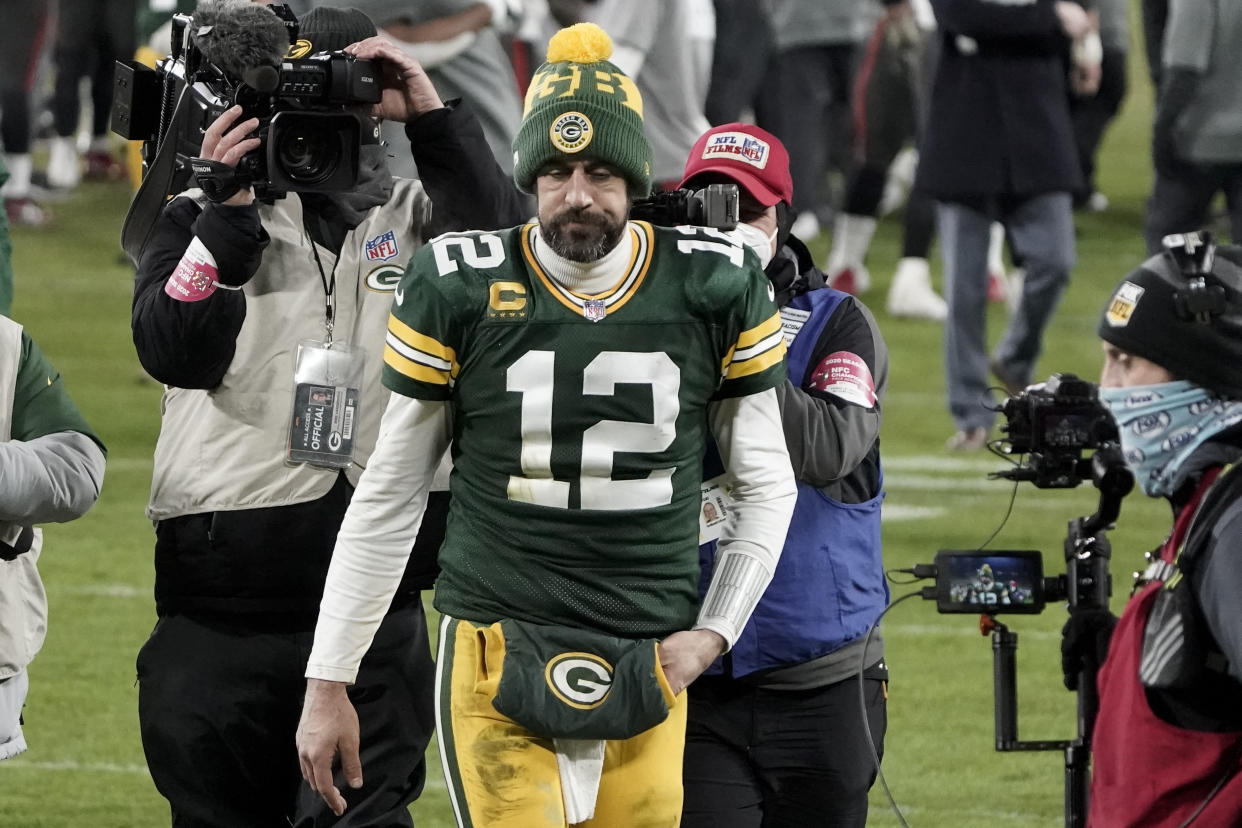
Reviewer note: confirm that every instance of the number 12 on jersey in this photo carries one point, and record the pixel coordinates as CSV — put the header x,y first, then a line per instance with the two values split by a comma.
x,y
533,376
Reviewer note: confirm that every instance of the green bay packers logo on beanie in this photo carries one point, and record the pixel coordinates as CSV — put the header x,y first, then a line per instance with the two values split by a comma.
x,y
580,680
579,104
571,132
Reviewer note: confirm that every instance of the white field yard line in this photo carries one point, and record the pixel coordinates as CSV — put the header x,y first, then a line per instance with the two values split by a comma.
x,y
100,590
19,763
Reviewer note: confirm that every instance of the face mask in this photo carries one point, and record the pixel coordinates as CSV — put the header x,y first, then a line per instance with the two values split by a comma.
x,y
373,188
1162,424
754,238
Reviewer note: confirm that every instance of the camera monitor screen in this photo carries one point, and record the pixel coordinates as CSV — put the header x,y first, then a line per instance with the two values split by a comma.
x,y
989,582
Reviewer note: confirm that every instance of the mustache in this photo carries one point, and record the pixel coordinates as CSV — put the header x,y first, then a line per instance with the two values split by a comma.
x,y
582,215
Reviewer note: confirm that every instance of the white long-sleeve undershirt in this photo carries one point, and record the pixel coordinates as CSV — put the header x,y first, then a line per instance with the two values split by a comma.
x,y
377,534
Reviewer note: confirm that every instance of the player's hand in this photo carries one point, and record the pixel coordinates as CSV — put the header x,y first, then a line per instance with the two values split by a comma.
x,y
328,729
226,141
685,655
407,92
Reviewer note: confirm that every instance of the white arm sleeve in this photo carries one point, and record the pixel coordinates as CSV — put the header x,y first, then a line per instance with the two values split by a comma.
x,y
761,482
377,534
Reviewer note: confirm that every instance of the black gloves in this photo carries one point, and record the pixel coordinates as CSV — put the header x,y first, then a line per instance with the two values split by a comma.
x,y
21,545
1164,150
219,182
1084,641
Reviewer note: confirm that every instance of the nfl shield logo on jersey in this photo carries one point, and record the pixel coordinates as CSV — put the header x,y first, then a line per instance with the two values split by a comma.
x,y
594,310
382,248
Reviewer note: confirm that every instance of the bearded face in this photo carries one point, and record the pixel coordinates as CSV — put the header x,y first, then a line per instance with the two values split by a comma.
x,y
581,234
583,208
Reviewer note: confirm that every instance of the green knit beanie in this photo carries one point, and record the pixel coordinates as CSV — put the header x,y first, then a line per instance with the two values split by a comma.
x,y
579,105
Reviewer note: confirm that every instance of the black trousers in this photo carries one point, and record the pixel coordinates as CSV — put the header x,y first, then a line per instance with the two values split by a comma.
x,y
92,35
218,711
1183,204
781,758
21,39
805,102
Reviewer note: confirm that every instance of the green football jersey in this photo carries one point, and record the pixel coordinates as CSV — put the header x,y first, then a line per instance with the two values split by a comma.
x,y
579,421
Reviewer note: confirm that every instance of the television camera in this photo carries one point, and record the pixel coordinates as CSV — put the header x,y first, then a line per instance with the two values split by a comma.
x,y
226,54
1052,425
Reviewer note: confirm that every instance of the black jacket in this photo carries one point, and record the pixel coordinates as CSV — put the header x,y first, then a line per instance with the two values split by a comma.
x,y
999,121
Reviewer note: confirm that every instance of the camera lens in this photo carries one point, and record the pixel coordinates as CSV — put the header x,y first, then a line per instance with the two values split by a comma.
x,y
313,151
307,155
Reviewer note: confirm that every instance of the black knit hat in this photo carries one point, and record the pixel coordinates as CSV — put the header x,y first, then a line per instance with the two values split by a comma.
x,y
1183,311
328,29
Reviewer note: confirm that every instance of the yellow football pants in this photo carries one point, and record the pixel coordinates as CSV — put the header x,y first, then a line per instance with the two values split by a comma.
x,y
500,775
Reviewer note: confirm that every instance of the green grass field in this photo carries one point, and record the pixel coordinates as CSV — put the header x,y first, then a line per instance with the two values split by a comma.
x,y
85,765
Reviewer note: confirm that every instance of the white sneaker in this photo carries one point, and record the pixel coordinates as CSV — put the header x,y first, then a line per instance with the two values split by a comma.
x,y
1097,202
63,170
805,226
998,286
911,295
854,280
972,439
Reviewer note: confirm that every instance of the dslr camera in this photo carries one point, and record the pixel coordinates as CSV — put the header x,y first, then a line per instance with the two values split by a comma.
x,y
310,138
716,205
1054,422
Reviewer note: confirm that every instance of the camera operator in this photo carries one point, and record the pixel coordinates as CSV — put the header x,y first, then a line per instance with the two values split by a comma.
x,y
227,292
775,735
1168,737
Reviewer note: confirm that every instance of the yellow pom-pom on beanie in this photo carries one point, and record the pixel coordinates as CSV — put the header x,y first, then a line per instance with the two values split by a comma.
x,y
578,106
580,43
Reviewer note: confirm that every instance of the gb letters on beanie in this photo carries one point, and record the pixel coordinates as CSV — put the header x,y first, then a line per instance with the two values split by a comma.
x,y
579,105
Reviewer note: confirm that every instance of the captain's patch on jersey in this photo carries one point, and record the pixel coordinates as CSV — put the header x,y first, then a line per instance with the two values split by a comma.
x,y
571,132
381,248
740,147
845,375
1122,306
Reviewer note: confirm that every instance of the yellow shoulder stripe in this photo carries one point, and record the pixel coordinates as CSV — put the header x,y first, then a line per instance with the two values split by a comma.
x,y
761,331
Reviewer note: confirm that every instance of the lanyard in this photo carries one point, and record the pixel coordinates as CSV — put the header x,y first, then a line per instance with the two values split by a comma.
x,y
329,292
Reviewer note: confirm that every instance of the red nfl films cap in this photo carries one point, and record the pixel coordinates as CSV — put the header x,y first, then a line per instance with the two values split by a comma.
x,y
752,157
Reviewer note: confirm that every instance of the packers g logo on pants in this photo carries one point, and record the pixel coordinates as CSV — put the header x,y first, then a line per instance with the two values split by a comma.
x,y
580,680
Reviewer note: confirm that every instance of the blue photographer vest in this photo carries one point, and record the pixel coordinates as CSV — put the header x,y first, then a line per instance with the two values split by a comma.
x,y
829,585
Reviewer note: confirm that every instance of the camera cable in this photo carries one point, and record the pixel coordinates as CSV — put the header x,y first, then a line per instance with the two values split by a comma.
x,y
862,707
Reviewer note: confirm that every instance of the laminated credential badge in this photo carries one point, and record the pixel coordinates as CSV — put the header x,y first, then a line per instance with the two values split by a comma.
x,y
326,383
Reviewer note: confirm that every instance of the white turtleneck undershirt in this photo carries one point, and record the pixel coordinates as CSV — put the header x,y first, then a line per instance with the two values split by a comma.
x,y
588,278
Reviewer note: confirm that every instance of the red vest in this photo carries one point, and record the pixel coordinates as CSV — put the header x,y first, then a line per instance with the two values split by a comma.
x,y
1148,773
